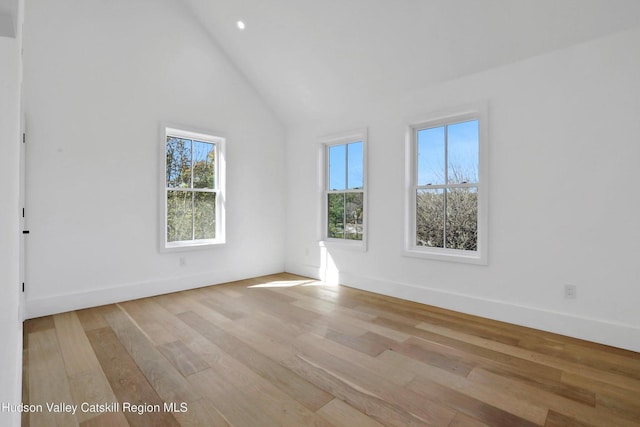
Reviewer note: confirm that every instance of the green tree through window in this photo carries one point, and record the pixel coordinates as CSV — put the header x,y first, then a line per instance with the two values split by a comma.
x,y
191,187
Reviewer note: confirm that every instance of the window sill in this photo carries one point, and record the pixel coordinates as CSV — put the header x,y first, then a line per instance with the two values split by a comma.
x,y
190,246
356,245
449,255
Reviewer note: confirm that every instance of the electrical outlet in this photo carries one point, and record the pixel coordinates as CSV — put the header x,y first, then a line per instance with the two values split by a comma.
x,y
183,261
570,292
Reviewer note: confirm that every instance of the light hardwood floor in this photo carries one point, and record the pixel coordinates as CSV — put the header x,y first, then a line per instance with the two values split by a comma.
x,y
284,350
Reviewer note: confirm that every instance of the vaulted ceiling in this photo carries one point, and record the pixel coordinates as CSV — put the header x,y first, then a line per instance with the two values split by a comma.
x,y
306,56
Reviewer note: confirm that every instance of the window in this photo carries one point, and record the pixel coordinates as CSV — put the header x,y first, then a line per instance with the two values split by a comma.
x,y
193,189
345,180
447,195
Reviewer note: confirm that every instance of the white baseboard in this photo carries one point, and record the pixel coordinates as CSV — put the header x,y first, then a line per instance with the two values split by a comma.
x,y
305,270
38,307
591,329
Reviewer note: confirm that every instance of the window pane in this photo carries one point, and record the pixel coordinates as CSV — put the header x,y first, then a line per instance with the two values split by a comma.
x,y
355,179
430,218
178,162
336,215
337,167
354,209
205,215
462,218
462,155
179,216
431,156
203,164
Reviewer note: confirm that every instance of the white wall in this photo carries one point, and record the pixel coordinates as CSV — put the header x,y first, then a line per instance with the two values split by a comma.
x,y
10,322
564,203
99,78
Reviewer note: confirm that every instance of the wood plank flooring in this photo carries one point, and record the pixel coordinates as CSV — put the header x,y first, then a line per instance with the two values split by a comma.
x,y
283,350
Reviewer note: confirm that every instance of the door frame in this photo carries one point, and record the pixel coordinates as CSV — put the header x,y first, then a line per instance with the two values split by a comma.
x,y
23,217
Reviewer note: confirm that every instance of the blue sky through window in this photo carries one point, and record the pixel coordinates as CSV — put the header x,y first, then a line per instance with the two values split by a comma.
x,y
337,165
201,151
185,154
203,161
346,166
463,152
354,169
431,156
462,146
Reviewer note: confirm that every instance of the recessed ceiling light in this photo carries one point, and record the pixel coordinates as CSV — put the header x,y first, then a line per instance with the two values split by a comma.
x,y
240,25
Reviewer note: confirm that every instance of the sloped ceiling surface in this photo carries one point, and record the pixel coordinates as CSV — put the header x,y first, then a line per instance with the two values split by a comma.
x,y
8,9
308,57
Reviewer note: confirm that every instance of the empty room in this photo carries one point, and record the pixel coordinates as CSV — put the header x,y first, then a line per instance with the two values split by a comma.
x,y
330,213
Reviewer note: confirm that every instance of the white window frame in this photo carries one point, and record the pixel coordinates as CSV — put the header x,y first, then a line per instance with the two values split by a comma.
x,y
472,112
343,138
220,187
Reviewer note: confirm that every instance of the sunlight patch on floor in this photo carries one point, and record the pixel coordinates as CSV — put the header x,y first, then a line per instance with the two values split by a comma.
x,y
286,284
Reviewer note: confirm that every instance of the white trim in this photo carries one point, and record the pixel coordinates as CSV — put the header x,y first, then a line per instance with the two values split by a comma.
x,y
343,244
190,134
621,335
311,271
343,138
23,223
219,142
39,307
601,331
478,111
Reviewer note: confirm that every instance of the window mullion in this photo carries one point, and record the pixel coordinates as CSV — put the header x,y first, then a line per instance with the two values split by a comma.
x,y
416,185
193,215
346,188
193,199
327,183
416,157
216,178
191,171
446,186
346,167
216,183
327,168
